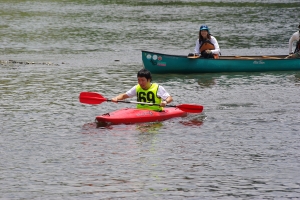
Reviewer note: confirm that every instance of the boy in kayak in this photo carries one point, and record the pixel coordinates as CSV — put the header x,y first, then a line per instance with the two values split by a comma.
x,y
294,38
206,45
147,92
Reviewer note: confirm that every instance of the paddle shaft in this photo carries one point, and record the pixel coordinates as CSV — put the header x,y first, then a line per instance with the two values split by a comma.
x,y
144,103
95,98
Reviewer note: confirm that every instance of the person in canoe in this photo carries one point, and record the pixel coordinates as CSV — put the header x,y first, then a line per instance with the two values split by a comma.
x,y
147,92
206,45
295,38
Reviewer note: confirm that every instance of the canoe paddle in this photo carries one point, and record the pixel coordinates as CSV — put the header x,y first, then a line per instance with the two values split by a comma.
x,y
193,55
95,98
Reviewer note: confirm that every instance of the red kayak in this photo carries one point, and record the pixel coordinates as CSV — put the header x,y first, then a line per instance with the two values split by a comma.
x,y
133,115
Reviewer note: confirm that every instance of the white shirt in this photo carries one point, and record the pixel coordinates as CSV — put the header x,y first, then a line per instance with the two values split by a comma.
x,y
295,37
161,92
214,41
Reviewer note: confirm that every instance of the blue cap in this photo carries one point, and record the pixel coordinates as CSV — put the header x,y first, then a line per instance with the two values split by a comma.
x,y
204,27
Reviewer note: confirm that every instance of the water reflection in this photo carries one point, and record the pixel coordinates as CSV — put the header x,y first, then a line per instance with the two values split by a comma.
x,y
150,127
193,120
206,81
297,79
203,80
89,128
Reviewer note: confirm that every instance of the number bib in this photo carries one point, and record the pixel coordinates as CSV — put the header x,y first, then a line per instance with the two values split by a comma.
x,y
148,96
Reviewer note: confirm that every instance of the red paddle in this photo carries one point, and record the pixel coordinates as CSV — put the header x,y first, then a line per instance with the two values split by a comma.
x,y
95,98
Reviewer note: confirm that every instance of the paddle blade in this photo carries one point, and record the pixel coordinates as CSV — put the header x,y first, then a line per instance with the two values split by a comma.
x,y
91,98
191,108
193,57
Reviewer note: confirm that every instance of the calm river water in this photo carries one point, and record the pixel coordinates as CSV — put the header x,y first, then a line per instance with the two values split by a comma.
x,y
245,145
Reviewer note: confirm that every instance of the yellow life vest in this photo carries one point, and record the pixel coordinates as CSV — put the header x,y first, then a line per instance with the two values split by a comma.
x,y
149,96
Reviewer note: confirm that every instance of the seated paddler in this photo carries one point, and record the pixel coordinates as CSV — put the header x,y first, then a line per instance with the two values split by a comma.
x,y
206,45
148,92
295,38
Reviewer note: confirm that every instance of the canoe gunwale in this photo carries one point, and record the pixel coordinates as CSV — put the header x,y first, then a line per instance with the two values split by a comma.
x,y
161,63
264,57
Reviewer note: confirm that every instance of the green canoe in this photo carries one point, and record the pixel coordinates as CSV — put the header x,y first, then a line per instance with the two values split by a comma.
x,y
160,63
